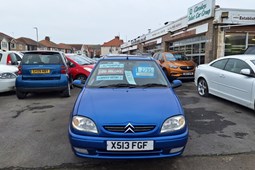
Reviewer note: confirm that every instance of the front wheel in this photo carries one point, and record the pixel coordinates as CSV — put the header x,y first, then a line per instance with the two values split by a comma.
x,y
81,77
20,95
202,87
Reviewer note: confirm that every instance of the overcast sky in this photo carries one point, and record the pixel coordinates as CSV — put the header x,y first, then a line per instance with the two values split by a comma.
x,y
94,21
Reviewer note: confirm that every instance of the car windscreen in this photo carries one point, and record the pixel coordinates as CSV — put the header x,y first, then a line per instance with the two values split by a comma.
x,y
41,58
175,57
127,73
80,60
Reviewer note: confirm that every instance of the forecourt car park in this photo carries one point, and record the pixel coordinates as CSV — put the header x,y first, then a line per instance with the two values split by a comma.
x,y
34,134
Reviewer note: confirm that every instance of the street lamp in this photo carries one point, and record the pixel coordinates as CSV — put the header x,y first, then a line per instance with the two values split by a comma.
x,y
36,29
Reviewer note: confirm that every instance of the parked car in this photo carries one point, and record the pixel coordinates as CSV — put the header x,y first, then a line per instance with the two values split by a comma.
x,y
8,76
42,71
127,110
175,65
79,68
231,78
10,58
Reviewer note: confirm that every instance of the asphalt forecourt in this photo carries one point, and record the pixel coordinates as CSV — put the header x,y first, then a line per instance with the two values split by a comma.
x,y
34,134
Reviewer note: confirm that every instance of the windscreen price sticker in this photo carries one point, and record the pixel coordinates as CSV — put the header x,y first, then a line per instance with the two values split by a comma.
x,y
145,71
112,65
109,71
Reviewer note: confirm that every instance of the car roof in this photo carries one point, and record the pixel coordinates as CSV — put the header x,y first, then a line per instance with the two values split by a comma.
x,y
242,57
48,51
126,57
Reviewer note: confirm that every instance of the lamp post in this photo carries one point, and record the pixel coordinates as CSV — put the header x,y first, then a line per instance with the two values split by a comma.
x,y
36,29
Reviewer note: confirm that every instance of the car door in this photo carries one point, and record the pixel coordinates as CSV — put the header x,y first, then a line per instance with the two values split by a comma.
x,y
213,76
235,86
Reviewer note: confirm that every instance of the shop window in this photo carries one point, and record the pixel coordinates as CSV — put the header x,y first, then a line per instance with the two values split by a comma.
x,y
202,49
251,40
195,49
182,49
235,43
188,49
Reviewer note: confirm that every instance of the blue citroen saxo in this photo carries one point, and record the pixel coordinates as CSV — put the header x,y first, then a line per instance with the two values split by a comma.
x,y
127,110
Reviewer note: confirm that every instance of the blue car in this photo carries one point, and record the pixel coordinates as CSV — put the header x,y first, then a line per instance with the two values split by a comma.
x,y
41,71
127,110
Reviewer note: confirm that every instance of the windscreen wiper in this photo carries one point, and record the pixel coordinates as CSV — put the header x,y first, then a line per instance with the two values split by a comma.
x,y
153,85
119,85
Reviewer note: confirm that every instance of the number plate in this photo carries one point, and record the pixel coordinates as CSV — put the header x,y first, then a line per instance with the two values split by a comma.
x,y
130,145
40,71
188,74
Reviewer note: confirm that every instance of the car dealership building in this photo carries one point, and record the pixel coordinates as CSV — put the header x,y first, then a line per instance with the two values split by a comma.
x,y
207,32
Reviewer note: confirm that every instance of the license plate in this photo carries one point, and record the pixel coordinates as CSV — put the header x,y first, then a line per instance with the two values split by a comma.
x,y
40,71
130,145
188,74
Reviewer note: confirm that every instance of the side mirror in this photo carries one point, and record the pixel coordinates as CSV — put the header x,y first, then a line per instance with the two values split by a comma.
x,y
176,83
246,72
78,83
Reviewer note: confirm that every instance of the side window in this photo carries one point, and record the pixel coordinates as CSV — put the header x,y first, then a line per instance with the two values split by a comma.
x,y
155,56
236,65
220,64
17,57
13,58
160,57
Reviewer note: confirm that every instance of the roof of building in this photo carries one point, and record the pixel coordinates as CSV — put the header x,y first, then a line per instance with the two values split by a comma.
x,y
116,42
7,37
47,43
27,41
64,46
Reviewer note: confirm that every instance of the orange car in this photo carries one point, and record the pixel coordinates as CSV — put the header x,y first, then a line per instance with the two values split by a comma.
x,y
175,65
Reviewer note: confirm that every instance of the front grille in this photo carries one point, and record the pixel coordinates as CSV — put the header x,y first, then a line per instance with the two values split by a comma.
x,y
136,129
187,67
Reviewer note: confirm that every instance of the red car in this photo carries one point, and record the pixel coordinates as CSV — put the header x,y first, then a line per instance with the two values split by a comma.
x,y
79,67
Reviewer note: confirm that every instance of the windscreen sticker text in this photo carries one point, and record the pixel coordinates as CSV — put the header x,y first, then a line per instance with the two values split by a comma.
x,y
129,77
110,71
111,77
112,65
145,72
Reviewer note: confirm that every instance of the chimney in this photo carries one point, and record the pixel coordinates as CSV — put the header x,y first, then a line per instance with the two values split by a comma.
x,y
47,38
117,37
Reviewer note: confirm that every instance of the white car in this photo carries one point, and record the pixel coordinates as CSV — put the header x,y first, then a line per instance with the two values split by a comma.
x,y
8,76
10,57
231,78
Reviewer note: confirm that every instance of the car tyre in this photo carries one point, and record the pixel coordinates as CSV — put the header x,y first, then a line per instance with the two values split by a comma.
x,y
202,87
67,91
21,95
81,77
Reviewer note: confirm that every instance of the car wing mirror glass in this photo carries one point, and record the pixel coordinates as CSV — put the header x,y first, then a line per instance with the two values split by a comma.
x,y
246,72
176,83
78,83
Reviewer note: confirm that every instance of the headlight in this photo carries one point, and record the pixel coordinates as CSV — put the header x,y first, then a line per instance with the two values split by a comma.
x,y
84,124
173,66
88,69
173,124
7,76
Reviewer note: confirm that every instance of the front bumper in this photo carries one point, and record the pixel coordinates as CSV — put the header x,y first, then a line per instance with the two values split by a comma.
x,y
7,85
164,146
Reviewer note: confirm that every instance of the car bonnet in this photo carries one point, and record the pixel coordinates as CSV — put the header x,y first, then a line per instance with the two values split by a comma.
x,y
114,106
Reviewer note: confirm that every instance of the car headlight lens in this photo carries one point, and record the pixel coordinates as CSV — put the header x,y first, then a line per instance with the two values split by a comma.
x,y
173,66
173,124
84,124
88,69
7,76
